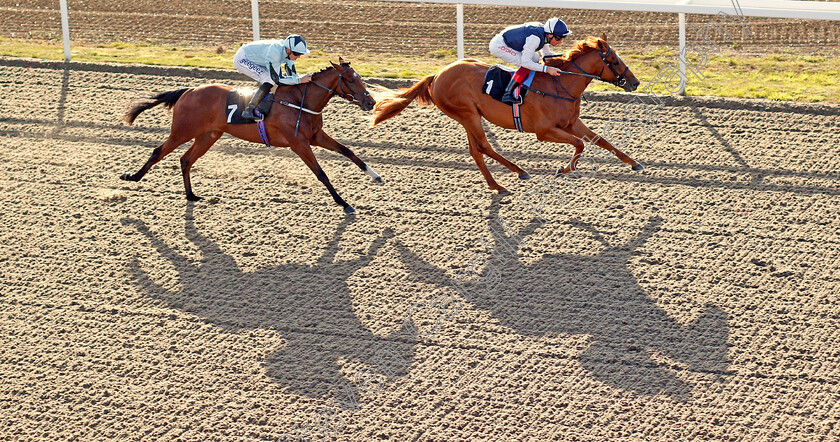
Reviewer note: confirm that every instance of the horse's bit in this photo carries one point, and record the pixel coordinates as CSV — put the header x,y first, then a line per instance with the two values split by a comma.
x,y
620,80
339,90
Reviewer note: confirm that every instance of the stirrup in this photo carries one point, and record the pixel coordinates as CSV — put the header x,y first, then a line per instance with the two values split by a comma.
x,y
511,99
248,113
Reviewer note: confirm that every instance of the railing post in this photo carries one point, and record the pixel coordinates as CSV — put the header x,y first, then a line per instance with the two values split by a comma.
x,y
459,23
65,29
681,55
255,18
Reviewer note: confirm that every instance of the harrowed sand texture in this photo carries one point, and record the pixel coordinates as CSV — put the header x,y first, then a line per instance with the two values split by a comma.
x,y
694,300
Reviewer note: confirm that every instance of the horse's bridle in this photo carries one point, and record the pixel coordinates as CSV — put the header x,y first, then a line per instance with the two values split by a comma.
x,y
339,90
620,80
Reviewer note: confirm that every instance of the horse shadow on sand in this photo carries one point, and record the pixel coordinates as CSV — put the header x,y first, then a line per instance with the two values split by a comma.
x,y
634,344
308,305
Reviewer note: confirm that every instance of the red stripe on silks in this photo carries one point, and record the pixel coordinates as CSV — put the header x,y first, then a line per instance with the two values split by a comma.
x,y
521,74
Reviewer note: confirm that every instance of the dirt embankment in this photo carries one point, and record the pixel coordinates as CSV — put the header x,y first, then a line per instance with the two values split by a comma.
x,y
379,27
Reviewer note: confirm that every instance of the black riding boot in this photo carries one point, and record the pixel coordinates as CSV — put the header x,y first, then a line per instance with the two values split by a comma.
x,y
508,96
255,101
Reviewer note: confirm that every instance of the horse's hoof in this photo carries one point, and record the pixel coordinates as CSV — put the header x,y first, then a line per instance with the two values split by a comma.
x,y
638,167
504,192
194,198
525,176
378,180
349,210
126,177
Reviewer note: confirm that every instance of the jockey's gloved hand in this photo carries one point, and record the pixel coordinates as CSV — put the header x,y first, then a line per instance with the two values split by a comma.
x,y
550,70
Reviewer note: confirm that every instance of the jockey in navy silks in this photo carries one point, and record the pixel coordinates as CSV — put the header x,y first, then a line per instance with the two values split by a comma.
x,y
262,61
518,45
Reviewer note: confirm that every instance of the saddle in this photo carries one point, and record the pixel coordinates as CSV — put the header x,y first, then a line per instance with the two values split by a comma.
x,y
497,78
236,101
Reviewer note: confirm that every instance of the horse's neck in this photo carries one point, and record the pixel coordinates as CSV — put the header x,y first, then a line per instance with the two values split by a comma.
x,y
317,97
588,65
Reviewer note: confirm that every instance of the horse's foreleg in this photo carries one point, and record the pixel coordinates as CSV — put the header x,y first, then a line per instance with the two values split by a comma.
x,y
161,151
327,142
304,151
557,135
580,129
200,146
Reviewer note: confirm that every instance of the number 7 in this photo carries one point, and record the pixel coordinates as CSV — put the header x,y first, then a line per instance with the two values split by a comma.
x,y
232,108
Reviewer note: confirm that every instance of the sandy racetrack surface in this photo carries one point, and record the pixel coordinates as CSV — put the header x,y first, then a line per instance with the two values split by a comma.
x,y
696,299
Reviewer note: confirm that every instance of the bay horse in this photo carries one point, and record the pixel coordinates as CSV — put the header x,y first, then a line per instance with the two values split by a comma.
x,y
554,116
199,114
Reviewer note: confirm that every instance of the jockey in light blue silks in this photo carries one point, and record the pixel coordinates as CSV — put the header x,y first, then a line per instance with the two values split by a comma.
x,y
262,61
518,45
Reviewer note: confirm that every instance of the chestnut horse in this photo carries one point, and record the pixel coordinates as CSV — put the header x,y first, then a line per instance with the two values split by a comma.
x,y
551,111
199,114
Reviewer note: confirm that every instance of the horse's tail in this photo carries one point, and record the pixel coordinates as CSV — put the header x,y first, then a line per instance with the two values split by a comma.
x,y
391,106
167,99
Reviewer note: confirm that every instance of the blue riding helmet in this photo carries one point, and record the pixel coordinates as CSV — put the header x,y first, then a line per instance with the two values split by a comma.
x,y
557,27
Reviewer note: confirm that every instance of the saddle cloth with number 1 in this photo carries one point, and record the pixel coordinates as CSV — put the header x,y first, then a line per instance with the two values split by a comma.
x,y
497,78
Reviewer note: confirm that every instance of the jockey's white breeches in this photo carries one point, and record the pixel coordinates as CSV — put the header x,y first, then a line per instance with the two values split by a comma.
x,y
251,69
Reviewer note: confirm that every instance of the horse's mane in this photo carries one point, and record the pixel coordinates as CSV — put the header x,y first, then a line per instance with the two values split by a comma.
x,y
330,67
323,70
581,47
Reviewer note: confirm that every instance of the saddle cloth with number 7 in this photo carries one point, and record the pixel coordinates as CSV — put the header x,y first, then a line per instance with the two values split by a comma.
x,y
236,101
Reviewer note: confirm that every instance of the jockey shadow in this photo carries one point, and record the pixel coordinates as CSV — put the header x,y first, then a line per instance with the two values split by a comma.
x,y
308,305
634,344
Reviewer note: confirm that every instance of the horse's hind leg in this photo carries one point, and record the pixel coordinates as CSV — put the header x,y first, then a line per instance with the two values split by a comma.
x,y
201,145
327,142
479,146
161,151
486,148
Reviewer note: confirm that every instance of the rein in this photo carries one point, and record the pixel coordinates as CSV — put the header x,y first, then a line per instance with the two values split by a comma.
x,y
549,94
620,79
339,90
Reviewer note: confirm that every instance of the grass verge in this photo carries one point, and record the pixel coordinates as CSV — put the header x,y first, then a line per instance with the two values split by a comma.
x,y
783,76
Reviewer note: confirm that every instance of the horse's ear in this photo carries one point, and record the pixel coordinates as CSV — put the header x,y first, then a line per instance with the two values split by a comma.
x,y
604,36
335,65
340,60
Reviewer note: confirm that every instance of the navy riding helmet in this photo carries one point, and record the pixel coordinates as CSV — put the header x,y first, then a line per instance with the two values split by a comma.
x,y
557,27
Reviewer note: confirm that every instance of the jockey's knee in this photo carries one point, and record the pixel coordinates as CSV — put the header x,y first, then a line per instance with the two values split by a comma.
x,y
521,74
